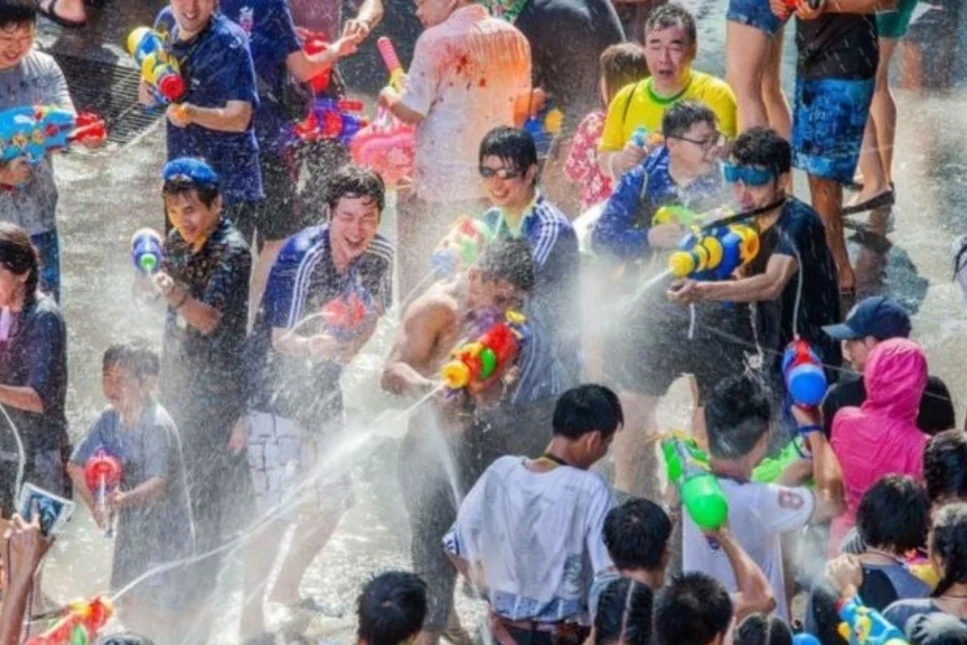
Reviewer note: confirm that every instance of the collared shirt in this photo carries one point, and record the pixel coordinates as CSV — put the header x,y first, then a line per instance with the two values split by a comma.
x,y
217,68
36,80
582,162
303,280
272,39
549,362
466,75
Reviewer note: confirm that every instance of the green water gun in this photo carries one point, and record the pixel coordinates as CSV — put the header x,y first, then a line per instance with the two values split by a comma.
x,y
698,488
770,468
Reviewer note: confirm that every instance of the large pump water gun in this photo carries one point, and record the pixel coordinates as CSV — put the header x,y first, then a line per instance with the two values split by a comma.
x,y
80,624
331,118
479,360
698,488
346,316
462,246
158,69
716,253
102,474
33,132
146,250
315,43
803,374
865,626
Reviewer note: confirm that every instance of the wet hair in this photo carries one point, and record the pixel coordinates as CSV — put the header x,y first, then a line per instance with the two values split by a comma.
x,y
945,466
124,638
206,193
764,148
508,260
737,416
135,356
949,543
622,65
513,146
672,15
587,408
682,116
17,13
636,534
391,608
692,610
18,255
894,514
759,629
624,614
354,182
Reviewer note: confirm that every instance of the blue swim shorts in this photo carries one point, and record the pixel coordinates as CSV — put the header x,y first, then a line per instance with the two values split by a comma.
x,y
827,126
754,13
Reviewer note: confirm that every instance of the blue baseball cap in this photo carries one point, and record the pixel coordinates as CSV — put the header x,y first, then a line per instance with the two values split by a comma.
x,y
881,317
192,169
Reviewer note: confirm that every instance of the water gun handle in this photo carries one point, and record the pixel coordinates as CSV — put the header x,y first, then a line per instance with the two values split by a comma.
x,y
863,625
392,62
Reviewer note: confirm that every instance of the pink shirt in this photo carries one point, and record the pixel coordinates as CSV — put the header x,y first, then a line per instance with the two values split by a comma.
x,y
466,75
582,162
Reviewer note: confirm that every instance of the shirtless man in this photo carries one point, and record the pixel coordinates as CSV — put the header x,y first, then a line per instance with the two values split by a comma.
x,y
450,312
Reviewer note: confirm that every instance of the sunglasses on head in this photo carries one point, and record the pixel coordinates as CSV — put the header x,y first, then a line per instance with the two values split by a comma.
x,y
748,175
501,173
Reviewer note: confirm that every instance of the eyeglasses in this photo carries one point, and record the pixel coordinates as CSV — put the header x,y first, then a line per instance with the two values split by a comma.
x,y
748,175
502,173
715,141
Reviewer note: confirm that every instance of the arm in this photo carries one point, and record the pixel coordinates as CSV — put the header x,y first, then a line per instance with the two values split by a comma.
x,y
414,345
202,317
758,288
76,473
26,548
754,592
21,397
420,85
860,6
392,101
370,14
615,231
45,342
830,498
149,491
235,116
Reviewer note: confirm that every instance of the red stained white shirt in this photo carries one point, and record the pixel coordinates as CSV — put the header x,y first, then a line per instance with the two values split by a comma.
x,y
582,161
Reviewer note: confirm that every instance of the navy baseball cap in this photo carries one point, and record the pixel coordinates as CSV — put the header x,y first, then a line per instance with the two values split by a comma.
x,y
881,317
190,169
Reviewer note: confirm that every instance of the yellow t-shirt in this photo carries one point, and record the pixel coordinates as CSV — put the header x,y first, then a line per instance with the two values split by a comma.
x,y
637,105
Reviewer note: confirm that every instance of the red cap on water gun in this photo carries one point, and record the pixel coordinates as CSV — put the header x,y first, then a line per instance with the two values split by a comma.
x,y
171,86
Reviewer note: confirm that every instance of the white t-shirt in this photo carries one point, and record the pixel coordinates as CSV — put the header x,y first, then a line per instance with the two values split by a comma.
x,y
758,516
537,537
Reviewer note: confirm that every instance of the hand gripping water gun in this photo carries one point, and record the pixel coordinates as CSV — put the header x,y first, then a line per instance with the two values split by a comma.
x,y
387,146
462,246
32,132
698,488
346,316
770,468
158,69
146,249
331,119
716,253
102,474
314,44
544,126
803,373
480,359
80,625
641,138
865,626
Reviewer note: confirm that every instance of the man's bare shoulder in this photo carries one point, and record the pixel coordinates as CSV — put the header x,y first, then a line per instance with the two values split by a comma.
x,y
438,306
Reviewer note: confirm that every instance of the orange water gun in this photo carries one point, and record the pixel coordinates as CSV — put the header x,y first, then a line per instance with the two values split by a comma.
x,y
479,360
80,624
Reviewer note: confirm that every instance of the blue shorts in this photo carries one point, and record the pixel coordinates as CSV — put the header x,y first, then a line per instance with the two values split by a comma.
x,y
754,13
827,126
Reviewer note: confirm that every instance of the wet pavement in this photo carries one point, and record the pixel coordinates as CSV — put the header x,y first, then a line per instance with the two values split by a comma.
x,y
108,194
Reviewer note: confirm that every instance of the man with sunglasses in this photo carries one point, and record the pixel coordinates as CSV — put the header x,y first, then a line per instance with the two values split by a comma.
x,y
793,278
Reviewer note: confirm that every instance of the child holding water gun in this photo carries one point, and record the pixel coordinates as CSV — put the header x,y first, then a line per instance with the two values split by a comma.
x,y
154,524
621,65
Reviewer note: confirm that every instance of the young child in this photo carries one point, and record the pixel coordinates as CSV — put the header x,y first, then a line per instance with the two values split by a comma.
x,y
621,65
154,519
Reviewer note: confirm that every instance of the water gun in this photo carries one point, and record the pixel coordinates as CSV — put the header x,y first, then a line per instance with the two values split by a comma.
x,y
478,360
146,249
698,488
331,119
33,132
641,138
864,626
714,254
314,44
805,639
770,468
392,62
675,214
462,246
80,625
544,126
102,474
803,373
346,315
158,69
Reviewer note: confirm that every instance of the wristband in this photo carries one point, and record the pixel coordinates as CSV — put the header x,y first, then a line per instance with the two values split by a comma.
x,y
805,430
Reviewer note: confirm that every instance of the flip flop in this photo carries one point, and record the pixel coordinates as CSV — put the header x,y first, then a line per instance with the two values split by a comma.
x,y
48,9
883,200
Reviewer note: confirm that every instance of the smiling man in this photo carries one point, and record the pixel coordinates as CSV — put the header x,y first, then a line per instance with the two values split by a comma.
x,y
325,293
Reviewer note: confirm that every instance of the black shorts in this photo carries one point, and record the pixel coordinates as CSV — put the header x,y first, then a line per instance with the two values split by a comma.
x,y
651,346
280,212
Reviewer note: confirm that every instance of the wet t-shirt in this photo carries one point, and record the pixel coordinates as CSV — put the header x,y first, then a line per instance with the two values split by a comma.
x,y
272,38
837,45
217,68
304,280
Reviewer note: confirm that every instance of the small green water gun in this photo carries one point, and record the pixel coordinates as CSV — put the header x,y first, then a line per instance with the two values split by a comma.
x,y
698,488
770,468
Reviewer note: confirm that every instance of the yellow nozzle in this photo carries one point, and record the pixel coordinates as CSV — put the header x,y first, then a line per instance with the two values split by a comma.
x,y
681,264
455,375
515,317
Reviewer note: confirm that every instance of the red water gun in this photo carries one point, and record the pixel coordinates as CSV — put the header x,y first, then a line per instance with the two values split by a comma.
x,y
479,360
345,316
102,474
315,43
332,119
80,624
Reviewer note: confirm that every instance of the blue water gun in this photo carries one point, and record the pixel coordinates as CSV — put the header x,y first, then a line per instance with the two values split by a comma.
x,y
714,254
803,373
330,118
865,626
544,126
31,132
146,249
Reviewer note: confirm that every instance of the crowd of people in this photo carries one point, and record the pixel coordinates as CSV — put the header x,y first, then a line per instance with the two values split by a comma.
x,y
276,268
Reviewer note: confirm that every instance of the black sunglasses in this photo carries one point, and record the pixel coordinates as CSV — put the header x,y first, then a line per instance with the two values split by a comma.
x,y
502,173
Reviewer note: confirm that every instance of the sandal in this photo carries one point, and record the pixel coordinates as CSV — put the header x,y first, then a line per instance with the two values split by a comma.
x,y
48,9
883,200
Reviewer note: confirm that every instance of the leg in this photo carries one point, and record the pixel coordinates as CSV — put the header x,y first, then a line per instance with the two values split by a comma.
x,y
747,52
827,199
883,110
777,108
257,569
311,535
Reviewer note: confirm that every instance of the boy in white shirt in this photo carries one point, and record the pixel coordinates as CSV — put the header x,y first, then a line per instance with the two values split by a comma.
x,y
529,532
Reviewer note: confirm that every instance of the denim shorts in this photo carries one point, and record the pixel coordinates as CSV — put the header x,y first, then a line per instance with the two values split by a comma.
x,y
827,126
754,13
